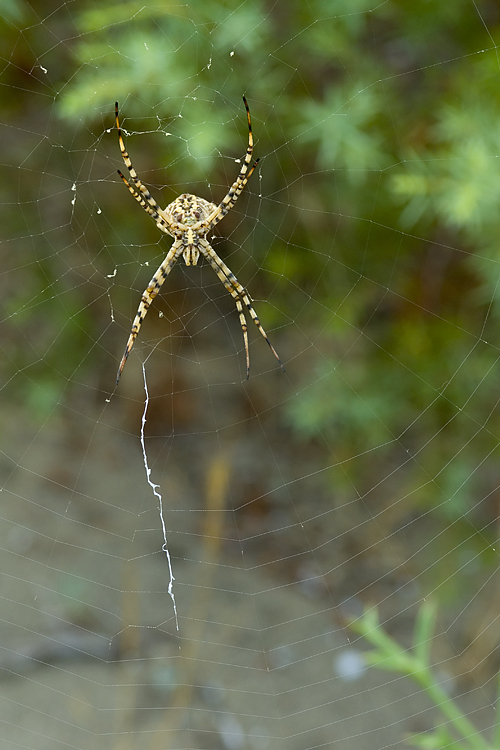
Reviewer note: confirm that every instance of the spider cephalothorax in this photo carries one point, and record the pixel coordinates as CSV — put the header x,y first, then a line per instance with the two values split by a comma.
x,y
188,220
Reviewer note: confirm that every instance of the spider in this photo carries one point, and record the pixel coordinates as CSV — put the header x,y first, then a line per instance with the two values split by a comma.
x,y
189,219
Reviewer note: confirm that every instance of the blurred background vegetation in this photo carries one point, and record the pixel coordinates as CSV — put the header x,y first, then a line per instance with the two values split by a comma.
x,y
371,227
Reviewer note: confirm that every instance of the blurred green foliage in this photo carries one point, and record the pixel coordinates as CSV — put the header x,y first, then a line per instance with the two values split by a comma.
x,y
453,729
378,129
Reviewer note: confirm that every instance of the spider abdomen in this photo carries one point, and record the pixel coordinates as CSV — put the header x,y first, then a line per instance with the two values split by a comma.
x,y
185,215
188,210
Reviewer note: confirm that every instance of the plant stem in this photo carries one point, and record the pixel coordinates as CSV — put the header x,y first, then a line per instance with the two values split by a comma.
x,y
450,710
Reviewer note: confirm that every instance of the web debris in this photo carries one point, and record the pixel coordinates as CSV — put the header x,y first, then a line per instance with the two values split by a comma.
x,y
155,488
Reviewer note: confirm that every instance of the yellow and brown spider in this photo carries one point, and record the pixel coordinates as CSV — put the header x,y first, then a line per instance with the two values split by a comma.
x,y
188,220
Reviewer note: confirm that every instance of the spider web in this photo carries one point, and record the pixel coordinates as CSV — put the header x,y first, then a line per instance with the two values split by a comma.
x,y
182,556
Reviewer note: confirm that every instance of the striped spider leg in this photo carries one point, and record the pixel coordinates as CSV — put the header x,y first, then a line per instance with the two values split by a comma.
x,y
188,219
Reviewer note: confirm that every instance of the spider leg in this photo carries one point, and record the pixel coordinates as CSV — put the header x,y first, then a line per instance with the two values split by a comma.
x,y
240,295
148,296
142,194
232,291
161,222
237,187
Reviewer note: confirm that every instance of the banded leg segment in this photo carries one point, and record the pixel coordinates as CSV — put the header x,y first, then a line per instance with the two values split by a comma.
x,y
148,296
237,187
240,296
161,223
142,194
